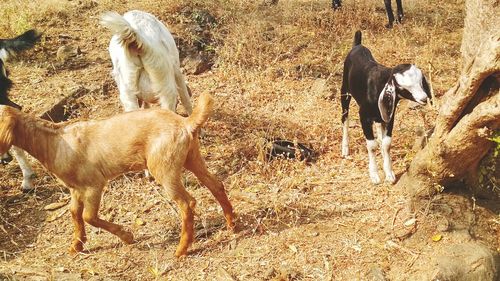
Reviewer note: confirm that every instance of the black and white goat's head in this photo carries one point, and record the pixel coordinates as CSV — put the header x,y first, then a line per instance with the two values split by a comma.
x,y
5,85
406,82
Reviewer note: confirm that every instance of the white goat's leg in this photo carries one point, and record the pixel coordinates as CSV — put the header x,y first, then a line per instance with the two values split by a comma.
x,y
167,94
128,85
385,147
129,101
26,169
345,138
371,145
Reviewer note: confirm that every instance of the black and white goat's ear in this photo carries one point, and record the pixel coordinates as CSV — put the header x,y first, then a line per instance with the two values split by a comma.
x,y
426,88
387,101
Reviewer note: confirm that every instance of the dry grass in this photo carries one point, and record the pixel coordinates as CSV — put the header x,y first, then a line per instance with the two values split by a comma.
x,y
274,69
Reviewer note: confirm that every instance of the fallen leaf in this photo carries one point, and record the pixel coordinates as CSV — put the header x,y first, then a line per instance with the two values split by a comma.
x,y
139,222
437,237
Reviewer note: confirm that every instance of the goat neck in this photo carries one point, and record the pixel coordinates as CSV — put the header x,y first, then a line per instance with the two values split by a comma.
x,y
37,137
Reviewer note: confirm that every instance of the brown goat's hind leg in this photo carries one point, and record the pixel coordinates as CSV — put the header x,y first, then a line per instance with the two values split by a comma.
x,y
76,209
170,177
196,164
91,201
186,204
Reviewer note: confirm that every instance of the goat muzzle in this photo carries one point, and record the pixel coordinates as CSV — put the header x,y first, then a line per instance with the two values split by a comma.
x,y
5,159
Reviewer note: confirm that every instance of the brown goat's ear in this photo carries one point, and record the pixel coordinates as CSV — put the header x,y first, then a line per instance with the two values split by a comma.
x,y
387,101
7,123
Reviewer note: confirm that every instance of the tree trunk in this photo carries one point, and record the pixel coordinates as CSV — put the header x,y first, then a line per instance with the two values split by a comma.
x,y
470,113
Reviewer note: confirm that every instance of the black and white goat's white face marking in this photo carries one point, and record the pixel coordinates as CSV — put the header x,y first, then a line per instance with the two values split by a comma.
x,y
4,54
412,80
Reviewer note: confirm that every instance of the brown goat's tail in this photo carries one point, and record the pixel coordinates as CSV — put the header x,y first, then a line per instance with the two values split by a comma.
x,y
201,112
122,28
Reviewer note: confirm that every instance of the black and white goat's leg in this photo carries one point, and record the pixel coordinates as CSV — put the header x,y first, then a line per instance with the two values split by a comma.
x,y
400,11
390,14
345,99
336,4
371,145
385,147
26,169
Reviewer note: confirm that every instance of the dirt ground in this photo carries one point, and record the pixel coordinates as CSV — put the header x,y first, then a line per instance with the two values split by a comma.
x,y
276,73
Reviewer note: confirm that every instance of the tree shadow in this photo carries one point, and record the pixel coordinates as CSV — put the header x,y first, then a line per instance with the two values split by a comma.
x,y
459,210
487,200
259,222
21,219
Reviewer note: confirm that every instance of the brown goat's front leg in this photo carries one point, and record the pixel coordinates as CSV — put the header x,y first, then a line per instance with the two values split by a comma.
x,y
76,209
196,164
91,201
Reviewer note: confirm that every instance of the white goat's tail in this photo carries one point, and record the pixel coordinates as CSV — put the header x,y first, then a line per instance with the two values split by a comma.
x,y
121,27
200,113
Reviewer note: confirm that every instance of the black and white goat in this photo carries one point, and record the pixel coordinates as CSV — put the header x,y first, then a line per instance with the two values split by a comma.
x,y
145,59
336,4
8,48
377,89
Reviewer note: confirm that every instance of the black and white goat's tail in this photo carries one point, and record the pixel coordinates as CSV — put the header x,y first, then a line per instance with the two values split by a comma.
x,y
10,47
357,38
127,36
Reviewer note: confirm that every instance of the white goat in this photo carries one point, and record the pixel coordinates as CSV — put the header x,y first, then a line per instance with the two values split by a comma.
x,y
145,60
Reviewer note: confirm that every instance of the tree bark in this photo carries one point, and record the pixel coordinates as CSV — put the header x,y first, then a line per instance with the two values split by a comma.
x,y
470,112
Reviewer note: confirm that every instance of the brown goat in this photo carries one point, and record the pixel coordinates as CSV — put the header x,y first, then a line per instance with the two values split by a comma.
x,y
86,155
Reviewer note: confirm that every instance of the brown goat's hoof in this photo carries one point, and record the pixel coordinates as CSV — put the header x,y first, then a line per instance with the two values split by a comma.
x,y
127,237
230,222
75,249
179,253
231,226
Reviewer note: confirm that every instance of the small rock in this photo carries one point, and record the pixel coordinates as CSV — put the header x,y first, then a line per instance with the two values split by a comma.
x,y
64,53
443,225
410,222
196,65
375,274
